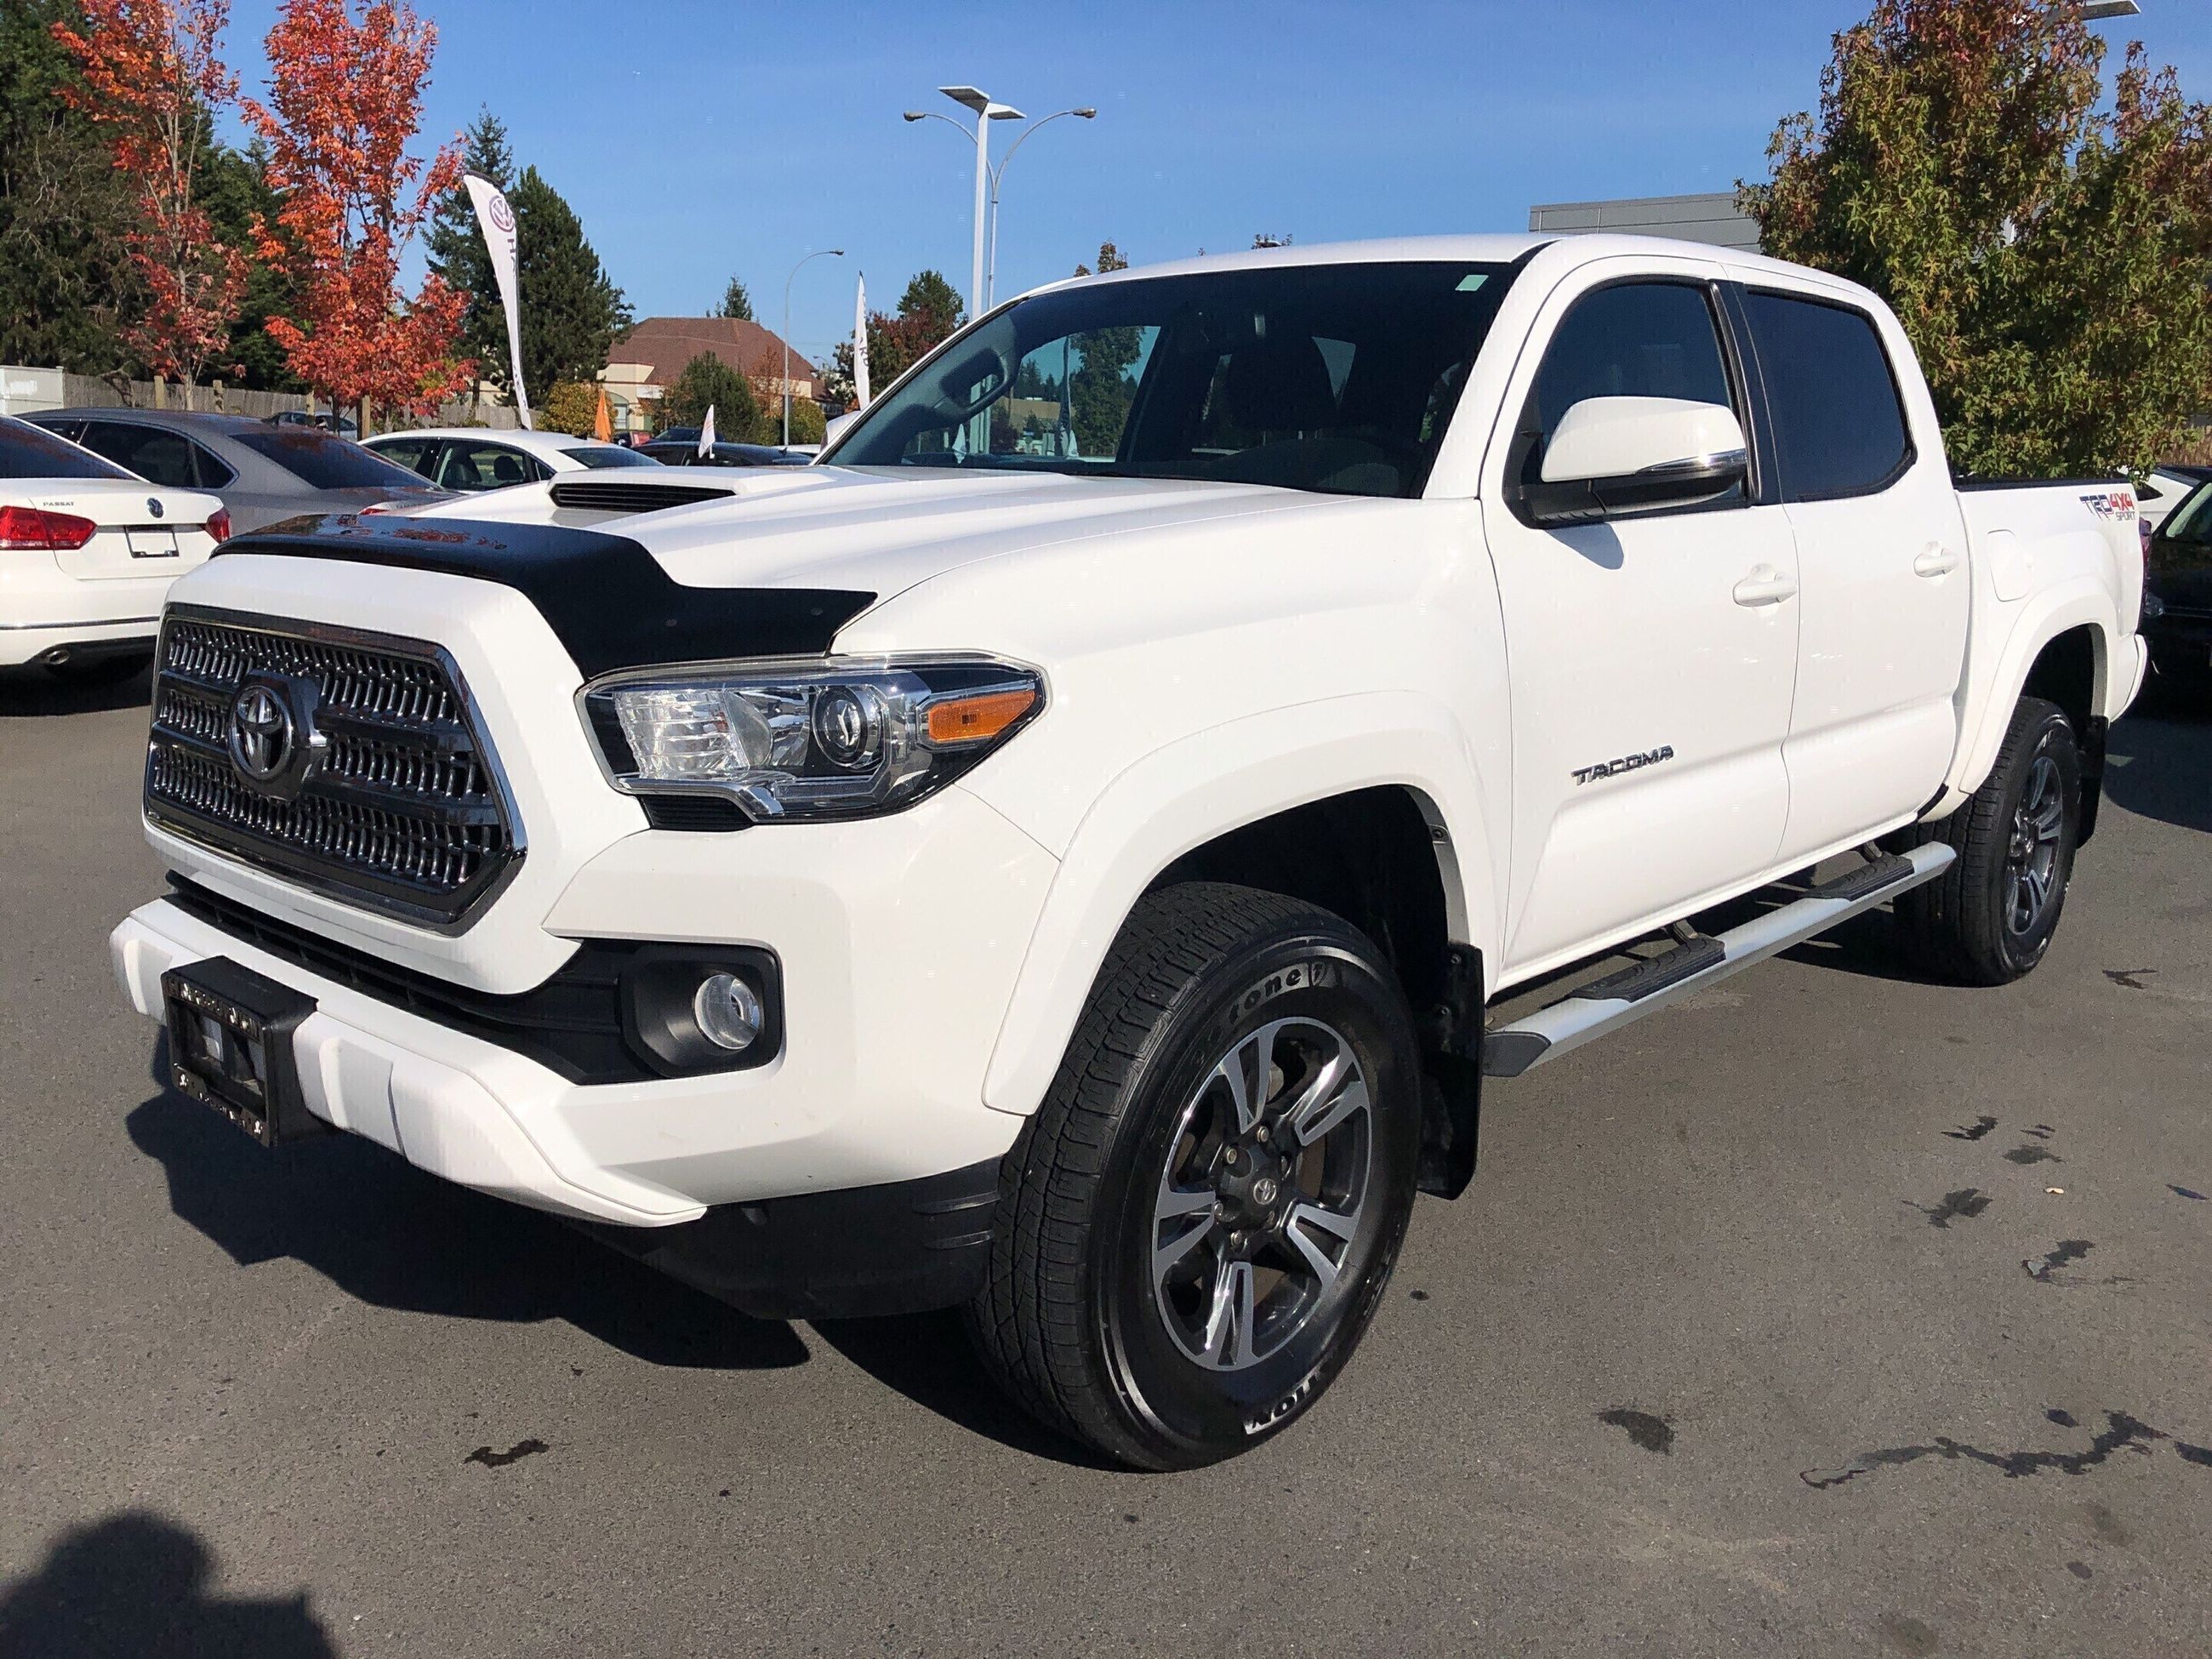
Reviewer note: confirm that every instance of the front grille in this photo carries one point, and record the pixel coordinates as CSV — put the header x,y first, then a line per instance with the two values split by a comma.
x,y
404,813
607,496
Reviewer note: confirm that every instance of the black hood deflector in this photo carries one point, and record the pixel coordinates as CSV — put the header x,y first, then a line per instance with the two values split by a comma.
x,y
608,600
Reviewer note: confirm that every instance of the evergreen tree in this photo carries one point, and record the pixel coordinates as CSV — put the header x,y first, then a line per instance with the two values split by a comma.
x,y
1100,391
457,250
708,382
736,302
571,312
930,296
236,191
65,275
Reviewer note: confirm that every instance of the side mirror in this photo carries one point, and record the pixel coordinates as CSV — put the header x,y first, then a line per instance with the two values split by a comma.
x,y
1612,455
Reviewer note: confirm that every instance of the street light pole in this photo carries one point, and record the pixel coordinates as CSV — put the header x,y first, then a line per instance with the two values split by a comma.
x,y
986,112
819,253
997,175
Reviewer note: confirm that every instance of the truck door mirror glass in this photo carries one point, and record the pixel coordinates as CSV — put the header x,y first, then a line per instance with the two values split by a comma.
x,y
1613,455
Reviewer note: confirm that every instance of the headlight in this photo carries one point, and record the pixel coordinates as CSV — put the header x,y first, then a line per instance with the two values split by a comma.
x,y
823,738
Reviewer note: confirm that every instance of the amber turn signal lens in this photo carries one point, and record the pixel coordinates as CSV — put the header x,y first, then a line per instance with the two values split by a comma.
x,y
968,719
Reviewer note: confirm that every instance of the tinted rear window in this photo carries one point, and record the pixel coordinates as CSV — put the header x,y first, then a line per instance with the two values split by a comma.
x,y
596,456
1837,419
27,452
318,459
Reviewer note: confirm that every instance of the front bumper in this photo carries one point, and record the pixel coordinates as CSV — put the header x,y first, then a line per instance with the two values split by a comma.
x,y
899,940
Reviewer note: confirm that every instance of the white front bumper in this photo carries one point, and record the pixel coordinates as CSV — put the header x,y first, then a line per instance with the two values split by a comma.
x,y
899,940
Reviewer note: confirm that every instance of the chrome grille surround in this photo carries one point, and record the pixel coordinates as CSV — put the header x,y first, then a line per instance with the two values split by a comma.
x,y
408,814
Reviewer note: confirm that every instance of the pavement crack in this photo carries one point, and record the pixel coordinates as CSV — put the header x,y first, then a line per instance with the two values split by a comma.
x,y
2121,1432
2132,978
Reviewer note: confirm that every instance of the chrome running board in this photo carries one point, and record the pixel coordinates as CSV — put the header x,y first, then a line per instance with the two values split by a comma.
x,y
1605,1006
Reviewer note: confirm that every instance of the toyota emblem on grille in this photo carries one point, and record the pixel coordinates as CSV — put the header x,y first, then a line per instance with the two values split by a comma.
x,y
273,746
260,733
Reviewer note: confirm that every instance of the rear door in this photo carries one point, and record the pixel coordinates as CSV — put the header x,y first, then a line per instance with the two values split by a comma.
x,y
1650,654
1881,556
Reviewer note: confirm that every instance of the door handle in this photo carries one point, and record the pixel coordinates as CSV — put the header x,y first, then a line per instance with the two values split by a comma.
x,y
1766,586
1935,560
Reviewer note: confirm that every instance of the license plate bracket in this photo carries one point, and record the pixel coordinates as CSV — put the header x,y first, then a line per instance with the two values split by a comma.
x,y
151,543
230,1047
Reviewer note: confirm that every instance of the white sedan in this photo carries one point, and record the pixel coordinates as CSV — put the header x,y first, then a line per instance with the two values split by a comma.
x,y
472,458
86,553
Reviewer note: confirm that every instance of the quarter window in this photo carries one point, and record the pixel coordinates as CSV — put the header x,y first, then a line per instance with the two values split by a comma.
x,y
1838,421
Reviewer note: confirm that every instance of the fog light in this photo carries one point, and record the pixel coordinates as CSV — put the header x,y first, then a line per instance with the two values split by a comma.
x,y
728,1011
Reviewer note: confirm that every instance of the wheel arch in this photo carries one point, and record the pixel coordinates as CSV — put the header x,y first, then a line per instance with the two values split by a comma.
x,y
1282,802
2064,650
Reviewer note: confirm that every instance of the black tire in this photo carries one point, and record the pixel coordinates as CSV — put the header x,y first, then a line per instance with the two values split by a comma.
x,y
107,668
1970,925
1072,1319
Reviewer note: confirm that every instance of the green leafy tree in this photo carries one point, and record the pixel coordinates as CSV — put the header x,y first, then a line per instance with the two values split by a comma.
x,y
571,313
1100,392
2048,249
570,406
808,425
66,284
236,192
929,312
736,302
708,382
457,251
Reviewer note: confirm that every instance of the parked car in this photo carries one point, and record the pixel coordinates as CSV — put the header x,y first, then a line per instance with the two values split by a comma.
x,y
2178,591
88,551
263,473
1060,866
468,459
2158,493
343,425
686,452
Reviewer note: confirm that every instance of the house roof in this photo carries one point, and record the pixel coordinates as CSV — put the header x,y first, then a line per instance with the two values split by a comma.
x,y
667,343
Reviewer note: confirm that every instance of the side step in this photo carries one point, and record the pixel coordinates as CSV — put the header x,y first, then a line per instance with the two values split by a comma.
x,y
1605,1006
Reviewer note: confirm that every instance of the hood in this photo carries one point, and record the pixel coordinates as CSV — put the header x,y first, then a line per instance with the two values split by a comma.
x,y
878,529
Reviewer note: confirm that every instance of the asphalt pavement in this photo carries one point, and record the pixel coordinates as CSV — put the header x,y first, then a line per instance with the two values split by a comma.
x,y
1831,1313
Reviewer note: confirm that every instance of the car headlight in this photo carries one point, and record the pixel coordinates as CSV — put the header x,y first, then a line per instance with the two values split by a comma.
x,y
824,738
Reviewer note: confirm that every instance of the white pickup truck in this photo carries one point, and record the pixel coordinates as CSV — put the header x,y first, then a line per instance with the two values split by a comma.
x,y
1055,857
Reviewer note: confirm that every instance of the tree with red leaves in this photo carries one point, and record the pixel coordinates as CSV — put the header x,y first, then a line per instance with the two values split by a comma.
x,y
345,100
152,73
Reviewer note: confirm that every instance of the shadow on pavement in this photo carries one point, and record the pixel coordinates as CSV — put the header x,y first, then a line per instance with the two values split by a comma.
x,y
927,1358
2161,761
384,1231
35,691
133,1586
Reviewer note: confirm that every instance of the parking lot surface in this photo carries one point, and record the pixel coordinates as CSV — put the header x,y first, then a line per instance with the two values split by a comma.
x,y
1829,1313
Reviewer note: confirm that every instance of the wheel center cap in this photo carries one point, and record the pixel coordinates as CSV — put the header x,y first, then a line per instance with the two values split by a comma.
x,y
1264,1191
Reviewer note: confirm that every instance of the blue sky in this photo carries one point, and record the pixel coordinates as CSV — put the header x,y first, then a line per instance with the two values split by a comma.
x,y
698,139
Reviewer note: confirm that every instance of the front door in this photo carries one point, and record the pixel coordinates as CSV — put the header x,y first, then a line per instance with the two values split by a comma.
x,y
1650,655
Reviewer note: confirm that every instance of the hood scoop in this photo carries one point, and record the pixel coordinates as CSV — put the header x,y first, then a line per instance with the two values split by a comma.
x,y
634,496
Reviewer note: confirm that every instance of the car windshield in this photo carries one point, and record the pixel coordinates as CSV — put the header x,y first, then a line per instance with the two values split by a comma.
x,y
28,451
598,455
1339,379
2190,523
318,459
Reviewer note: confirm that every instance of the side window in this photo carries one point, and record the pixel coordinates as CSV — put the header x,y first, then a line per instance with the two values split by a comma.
x,y
212,473
1838,421
1634,340
157,456
486,466
415,454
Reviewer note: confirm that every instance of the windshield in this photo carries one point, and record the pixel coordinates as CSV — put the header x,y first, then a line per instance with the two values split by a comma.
x,y
1339,379
2191,522
324,462
27,452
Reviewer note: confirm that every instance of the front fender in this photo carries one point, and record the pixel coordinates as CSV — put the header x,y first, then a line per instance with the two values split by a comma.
x,y
1180,796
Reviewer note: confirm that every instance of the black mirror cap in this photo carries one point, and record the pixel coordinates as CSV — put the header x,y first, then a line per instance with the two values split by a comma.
x,y
1590,500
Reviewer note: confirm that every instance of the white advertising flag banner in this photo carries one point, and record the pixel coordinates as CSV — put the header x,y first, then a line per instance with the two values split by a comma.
x,y
706,435
496,220
861,344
